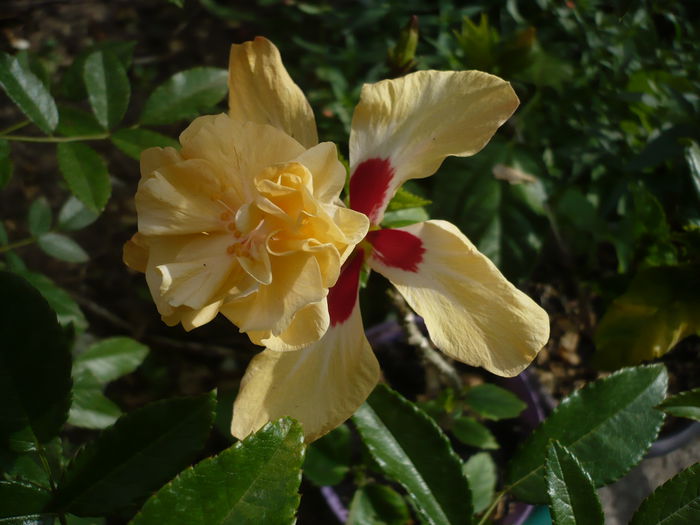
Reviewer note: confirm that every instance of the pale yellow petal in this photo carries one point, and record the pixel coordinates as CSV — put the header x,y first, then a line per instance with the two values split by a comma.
x,y
472,312
135,253
297,282
320,386
329,173
414,122
154,158
261,90
308,326
239,150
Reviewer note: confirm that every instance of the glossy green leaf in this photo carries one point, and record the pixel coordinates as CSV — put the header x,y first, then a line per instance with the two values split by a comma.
x,y
92,370
411,449
35,398
481,473
404,199
470,432
107,87
90,407
686,404
255,481
692,156
75,122
184,95
611,418
6,165
572,496
21,499
127,461
110,359
67,310
404,217
62,247
375,504
134,141
74,215
493,402
34,519
86,174
660,308
39,218
676,502
27,91
327,459
73,84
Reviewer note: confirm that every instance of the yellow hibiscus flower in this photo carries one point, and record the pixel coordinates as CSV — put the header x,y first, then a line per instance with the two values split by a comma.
x,y
401,129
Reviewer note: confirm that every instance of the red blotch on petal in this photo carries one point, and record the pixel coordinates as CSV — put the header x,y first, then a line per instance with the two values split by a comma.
x,y
369,184
397,248
342,297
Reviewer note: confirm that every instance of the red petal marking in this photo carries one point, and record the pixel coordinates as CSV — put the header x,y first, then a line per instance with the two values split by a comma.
x,y
342,297
397,248
368,186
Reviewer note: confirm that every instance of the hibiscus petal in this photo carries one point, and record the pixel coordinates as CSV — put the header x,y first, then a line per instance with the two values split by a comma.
x,y
308,326
261,90
472,312
320,386
329,172
404,128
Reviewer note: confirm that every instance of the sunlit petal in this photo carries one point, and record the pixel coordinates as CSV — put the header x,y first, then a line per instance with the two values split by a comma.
x,y
404,128
472,312
261,90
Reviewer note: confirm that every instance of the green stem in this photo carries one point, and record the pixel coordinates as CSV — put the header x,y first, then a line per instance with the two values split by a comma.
x,y
23,138
491,508
17,244
14,127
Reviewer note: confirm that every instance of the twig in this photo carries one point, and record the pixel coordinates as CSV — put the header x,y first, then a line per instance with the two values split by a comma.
x,y
429,354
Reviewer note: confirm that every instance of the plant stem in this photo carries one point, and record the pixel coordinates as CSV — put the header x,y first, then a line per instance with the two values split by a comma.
x,y
23,138
17,244
14,127
491,508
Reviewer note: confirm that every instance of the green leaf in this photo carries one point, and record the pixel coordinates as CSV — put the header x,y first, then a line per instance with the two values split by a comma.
x,y
34,397
134,141
573,499
20,499
676,502
328,459
76,122
39,219
255,481
481,473
110,359
28,92
611,418
411,449
92,370
378,504
470,432
692,156
686,404
137,455
34,519
398,218
107,87
73,84
6,165
184,95
61,247
90,408
493,402
660,308
404,199
75,216
86,174
67,310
